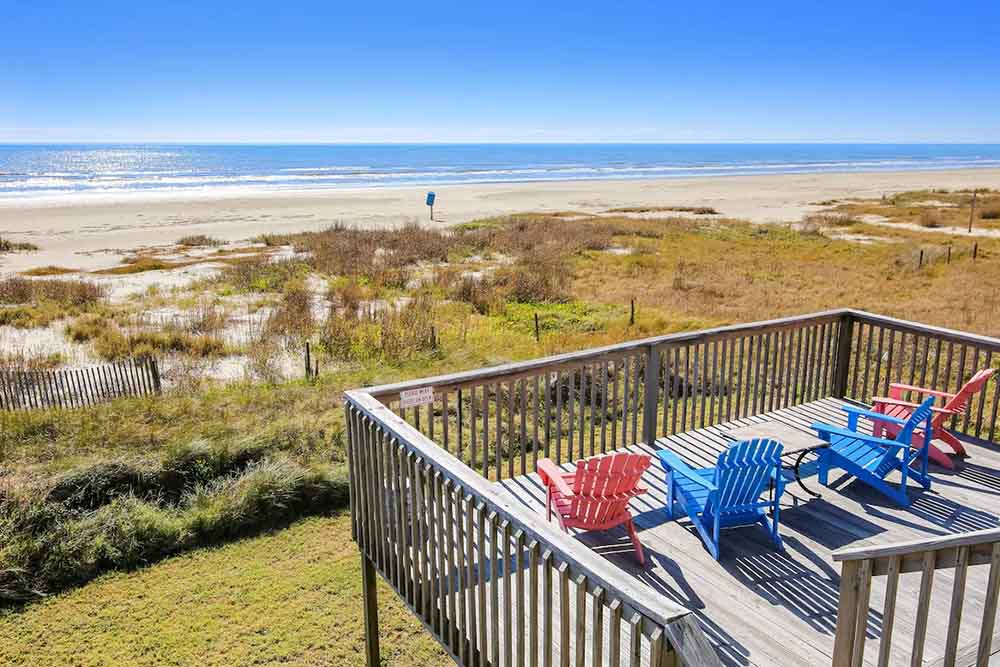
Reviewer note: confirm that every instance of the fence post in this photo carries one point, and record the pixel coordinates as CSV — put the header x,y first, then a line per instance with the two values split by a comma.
x,y
845,335
650,395
155,368
370,599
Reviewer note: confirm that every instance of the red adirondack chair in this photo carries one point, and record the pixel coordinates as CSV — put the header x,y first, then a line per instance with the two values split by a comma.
x,y
954,404
596,495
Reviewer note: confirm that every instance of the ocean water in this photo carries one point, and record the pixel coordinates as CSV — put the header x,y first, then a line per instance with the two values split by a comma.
x,y
68,171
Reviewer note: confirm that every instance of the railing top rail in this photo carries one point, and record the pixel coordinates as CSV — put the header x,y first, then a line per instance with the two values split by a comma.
x,y
919,545
928,329
389,391
644,600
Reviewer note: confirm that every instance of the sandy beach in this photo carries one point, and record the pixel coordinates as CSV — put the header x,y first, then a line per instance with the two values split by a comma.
x,y
88,233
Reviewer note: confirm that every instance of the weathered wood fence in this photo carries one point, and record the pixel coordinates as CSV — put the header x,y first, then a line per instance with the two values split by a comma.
x,y
78,387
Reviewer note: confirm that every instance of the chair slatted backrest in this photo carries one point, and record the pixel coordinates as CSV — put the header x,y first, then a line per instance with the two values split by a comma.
x,y
964,396
743,471
890,459
603,485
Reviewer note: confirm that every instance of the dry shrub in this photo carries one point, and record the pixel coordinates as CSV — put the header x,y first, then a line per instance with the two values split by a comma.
x,y
139,264
348,295
23,360
930,219
680,282
111,343
395,334
200,240
6,245
482,293
262,362
992,213
64,292
379,254
208,318
536,278
819,220
407,330
293,317
259,274
697,210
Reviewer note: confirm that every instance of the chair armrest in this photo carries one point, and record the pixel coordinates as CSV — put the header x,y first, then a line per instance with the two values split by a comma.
x,y
872,415
552,475
899,387
835,430
673,463
883,400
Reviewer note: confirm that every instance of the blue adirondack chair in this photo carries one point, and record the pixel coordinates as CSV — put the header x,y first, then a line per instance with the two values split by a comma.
x,y
729,494
870,458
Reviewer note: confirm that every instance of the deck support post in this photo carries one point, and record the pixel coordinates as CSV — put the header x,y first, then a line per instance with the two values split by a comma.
x,y
845,335
651,394
370,599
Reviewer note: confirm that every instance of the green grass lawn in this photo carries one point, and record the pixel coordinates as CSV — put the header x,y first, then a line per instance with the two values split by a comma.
x,y
288,598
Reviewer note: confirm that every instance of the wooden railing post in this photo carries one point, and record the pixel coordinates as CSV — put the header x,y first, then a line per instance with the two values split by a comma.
x,y
370,600
651,395
847,614
844,337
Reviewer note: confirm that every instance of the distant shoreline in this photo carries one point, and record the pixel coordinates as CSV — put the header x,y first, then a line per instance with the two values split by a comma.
x,y
97,234
221,193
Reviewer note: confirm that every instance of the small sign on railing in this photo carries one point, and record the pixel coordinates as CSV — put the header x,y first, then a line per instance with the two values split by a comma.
x,y
411,398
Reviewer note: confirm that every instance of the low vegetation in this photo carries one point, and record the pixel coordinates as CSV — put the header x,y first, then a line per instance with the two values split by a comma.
x,y
697,210
289,597
29,303
140,264
123,513
933,209
50,270
111,342
200,240
6,245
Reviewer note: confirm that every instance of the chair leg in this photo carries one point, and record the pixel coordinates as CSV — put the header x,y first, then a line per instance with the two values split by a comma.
x,y
823,465
636,544
548,504
670,495
775,522
715,537
952,441
940,458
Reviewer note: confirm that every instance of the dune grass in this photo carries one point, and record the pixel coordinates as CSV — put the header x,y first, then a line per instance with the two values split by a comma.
x,y
50,270
930,208
287,598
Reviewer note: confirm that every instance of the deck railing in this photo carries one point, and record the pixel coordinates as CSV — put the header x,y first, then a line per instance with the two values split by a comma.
x,y
886,350
486,577
424,507
957,552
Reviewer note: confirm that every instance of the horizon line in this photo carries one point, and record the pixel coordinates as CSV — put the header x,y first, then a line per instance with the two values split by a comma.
x,y
250,142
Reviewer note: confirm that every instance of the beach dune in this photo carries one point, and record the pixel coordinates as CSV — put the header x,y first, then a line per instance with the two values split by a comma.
x,y
94,232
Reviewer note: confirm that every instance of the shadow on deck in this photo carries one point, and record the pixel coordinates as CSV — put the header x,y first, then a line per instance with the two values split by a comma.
x,y
762,607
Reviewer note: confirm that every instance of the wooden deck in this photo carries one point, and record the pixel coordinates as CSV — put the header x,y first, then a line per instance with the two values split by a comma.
x,y
761,607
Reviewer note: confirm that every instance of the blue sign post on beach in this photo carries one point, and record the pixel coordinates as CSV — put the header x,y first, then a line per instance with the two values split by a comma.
x,y
430,202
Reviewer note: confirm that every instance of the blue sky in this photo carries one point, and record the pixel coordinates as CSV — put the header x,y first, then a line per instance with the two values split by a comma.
x,y
500,71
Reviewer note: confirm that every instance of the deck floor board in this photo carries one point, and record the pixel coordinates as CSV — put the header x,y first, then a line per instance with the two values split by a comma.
x,y
761,607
